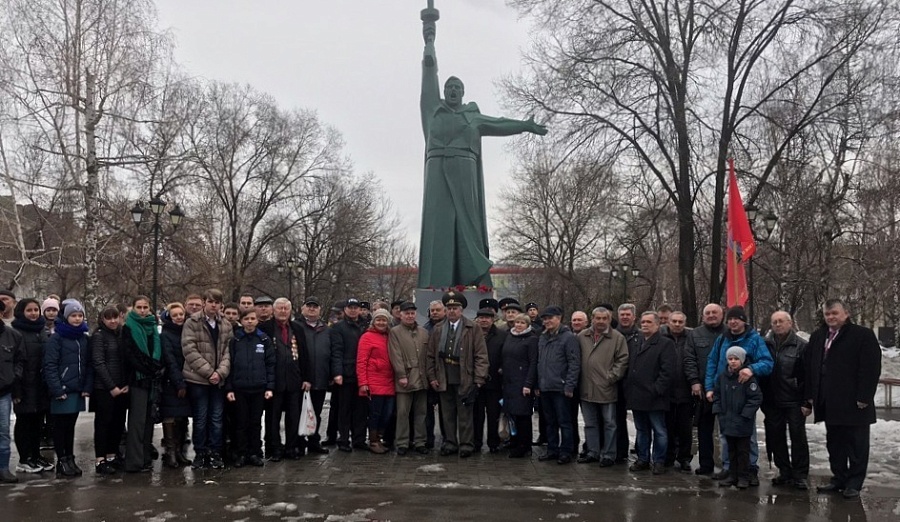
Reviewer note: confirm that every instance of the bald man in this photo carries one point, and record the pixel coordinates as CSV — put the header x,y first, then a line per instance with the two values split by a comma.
x,y
782,402
698,344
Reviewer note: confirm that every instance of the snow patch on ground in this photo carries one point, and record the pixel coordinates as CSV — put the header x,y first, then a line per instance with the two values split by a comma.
x,y
431,468
162,517
555,491
360,515
565,516
884,452
243,505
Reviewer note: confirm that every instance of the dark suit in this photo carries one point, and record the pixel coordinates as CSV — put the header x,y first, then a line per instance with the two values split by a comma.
x,y
836,381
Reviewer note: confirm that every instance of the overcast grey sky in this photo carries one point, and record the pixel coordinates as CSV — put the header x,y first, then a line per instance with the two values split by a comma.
x,y
358,63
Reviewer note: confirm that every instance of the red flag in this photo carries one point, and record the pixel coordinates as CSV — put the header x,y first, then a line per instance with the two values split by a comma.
x,y
740,247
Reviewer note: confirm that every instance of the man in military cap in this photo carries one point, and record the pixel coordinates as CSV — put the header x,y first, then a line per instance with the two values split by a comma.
x,y
537,322
457,367
487,406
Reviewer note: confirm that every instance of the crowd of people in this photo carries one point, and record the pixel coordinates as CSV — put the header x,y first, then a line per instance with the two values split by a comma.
x,y
244,373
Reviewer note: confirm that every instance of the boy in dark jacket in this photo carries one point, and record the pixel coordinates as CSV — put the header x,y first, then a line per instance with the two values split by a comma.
x,y
249,384
736,404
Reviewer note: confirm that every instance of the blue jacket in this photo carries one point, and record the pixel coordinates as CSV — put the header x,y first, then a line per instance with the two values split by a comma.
x,y
68,366
736,404
758,357
559,361
252,362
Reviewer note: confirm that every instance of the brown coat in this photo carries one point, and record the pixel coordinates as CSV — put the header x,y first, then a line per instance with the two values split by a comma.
x,y
201,359
408,349
474,364
603,365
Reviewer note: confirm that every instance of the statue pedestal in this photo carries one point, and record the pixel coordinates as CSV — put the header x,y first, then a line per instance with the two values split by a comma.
x,y
425,296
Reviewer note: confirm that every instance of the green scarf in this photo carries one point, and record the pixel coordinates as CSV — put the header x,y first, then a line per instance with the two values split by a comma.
x,y
141,328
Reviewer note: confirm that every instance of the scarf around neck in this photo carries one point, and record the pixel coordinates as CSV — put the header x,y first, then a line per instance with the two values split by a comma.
x,y
141,328
24,325
66,330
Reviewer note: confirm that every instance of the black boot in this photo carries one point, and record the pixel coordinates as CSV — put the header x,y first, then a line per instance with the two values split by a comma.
x,y
170,443
74,466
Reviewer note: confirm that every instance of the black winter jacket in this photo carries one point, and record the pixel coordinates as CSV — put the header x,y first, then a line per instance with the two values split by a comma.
x,y
784,387
681,386
650,367
34,391
110,367
494,341
699,343
12,361
345,339
139,361
847,375
290,373
322,360
252,362
736,404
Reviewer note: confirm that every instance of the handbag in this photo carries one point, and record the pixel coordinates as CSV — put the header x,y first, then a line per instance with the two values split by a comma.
x,y
308,424
503,427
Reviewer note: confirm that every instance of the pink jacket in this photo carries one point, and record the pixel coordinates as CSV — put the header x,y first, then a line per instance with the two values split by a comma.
x,y
373,364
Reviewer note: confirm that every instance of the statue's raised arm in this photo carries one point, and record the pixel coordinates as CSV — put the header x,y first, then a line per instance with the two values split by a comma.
x,y
431,90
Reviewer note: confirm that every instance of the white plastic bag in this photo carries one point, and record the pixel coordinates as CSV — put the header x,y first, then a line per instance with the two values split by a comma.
x,y
308,424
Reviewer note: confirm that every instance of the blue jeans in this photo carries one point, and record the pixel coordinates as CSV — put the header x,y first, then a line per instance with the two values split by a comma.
x,y
651,426
559,422
593,413
5,412
754,449
207,407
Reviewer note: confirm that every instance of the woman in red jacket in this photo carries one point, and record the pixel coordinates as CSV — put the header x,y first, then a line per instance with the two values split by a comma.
x,y
376,377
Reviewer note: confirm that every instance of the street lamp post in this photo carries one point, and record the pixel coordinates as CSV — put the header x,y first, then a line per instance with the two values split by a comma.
x,y
291,263
157,205
768,221
624,270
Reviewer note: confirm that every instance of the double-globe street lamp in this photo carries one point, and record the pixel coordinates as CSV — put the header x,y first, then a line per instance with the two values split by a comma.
x,y
290,264
768,220
157,205
625,269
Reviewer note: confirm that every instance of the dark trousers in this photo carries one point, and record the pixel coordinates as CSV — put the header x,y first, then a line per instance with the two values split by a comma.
x,y
109,421
229,428
848,454
557,410
354,411
780,421
457,419
28,435
573,414
622,441
434,399
248,412
542,420
487,409
739,457
679,423
381,409
286,404
331,433
140,429
522,439
318,401
64,433
706,426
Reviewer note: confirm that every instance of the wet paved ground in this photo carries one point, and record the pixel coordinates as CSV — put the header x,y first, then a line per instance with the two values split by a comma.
x,y
362,486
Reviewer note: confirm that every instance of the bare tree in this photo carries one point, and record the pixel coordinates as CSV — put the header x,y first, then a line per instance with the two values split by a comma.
x,y
671,87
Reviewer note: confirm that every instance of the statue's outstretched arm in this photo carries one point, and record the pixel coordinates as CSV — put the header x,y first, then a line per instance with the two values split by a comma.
x,y
431,90
493,126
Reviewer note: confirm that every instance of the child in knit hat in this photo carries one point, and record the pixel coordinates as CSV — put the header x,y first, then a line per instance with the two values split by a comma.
x,y
736,404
